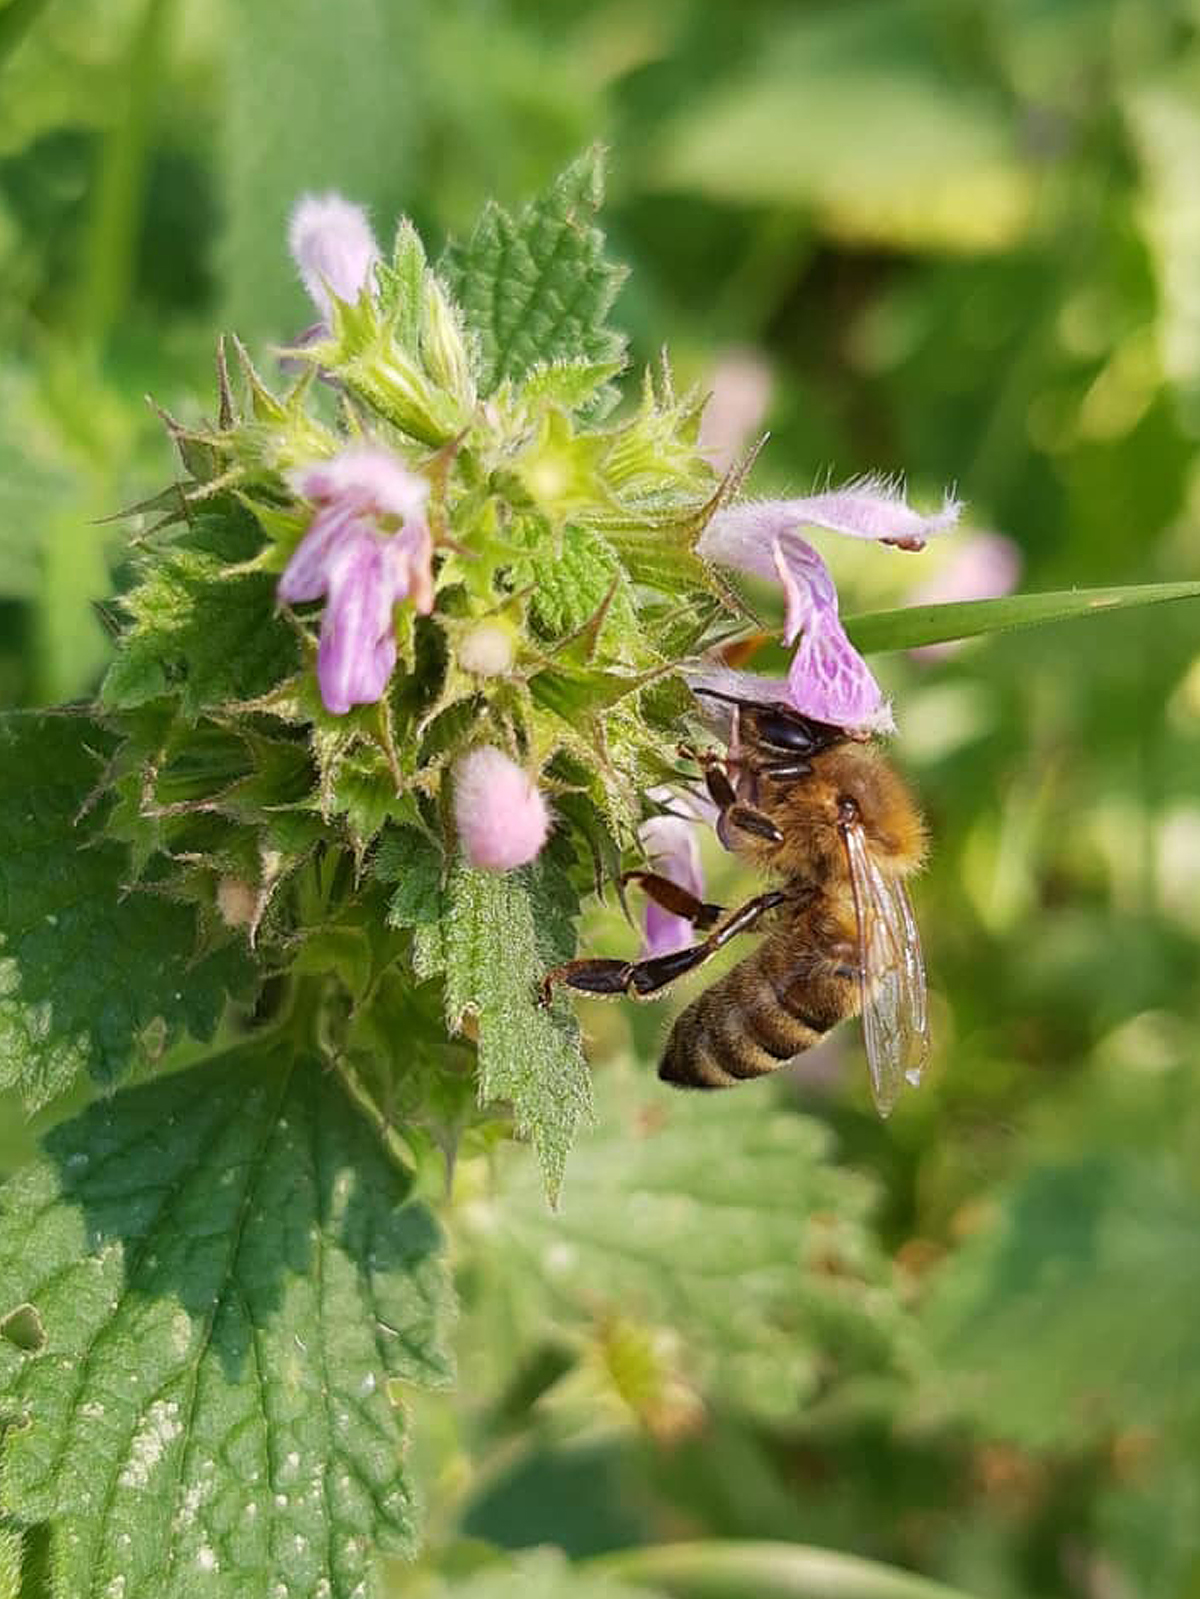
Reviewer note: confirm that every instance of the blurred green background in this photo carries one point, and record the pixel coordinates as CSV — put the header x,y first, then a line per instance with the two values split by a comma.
x,y
954,238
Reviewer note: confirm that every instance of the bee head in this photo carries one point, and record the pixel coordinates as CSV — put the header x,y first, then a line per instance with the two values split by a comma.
x,y
854,785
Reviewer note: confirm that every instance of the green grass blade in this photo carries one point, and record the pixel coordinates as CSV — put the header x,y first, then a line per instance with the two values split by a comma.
x,y
878,631
719,1570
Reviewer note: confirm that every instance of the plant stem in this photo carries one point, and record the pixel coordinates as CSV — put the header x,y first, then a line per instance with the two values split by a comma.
x,y
763,1571
116,212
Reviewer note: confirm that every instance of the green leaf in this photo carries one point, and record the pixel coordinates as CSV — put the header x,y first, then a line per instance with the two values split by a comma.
x,y
409,859
542,1574
537,288
497,935
915,625
718,1221
1075,1309
231,1279
10,1563
200,633
88,980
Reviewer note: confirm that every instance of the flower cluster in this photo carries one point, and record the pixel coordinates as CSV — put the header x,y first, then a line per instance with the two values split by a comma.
x,y
368,548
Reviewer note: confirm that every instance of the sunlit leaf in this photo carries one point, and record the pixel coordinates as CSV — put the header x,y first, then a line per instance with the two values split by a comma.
x,y
537,287
228,1278
498,934
92,979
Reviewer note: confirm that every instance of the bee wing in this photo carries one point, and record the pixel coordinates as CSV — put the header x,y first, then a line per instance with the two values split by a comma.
x,y
891,976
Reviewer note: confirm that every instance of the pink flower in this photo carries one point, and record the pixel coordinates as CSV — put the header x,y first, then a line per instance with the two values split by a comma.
x,y
367,547
828,679
501,816
673,851
333,247
986,566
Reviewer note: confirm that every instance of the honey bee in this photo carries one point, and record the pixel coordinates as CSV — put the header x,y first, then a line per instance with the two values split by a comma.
x,y
824,817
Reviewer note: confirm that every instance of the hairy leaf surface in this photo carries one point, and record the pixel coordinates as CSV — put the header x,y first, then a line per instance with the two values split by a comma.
x,y
88,979
497,935
536,287
198,633
227,1275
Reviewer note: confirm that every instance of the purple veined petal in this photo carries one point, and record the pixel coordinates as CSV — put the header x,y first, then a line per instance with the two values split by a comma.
x,y
808,588
367,477
305,577
743,536
357,651
829,680
333,247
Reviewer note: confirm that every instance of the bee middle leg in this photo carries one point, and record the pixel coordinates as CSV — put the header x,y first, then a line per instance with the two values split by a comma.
x,y
641,979
672,897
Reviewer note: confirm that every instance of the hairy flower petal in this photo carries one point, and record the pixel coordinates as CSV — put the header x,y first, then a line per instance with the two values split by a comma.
x,y
744,535
501,815
828,678
333,247
410,560
358,647
366,477
305,577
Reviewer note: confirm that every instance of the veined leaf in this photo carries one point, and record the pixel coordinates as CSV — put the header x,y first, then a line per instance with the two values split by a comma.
x,y
877,631
88,978
226,1276
716,1224
537,288
198,633
497,935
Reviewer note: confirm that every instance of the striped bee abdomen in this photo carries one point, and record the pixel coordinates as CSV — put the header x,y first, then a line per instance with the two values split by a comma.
x,y
752,1021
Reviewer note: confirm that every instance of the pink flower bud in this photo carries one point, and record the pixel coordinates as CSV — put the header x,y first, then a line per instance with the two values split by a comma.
x,y
501,816
333,247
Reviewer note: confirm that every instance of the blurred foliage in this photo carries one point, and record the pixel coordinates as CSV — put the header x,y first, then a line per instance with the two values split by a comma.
x,y
964,238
